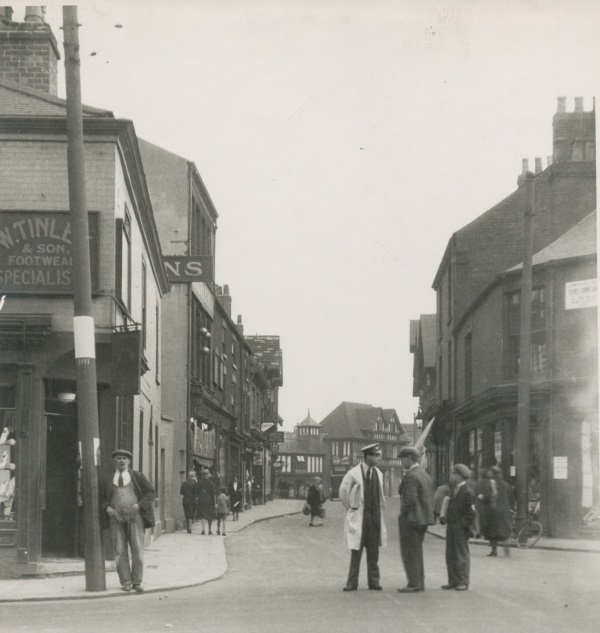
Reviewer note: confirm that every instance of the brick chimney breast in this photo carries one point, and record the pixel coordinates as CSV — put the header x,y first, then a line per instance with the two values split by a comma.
x,y
29,52
574,133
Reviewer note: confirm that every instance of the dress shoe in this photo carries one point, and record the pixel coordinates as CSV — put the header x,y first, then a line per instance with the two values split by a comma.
x,y
493,554
448,586
126,588
138,588
377,588
350,588
410,589
461,587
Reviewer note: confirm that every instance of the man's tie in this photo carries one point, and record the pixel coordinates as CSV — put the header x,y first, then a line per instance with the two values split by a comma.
x,y
369,475
120,480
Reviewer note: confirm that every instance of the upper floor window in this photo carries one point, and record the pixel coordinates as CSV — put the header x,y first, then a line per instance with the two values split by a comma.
x,y
469,365
123,259
144,311
538,331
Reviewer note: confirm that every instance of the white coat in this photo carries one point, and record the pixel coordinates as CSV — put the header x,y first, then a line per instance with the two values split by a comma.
x,y
351,495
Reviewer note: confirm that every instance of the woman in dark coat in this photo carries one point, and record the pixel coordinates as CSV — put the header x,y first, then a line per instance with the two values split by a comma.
x,y
315,500
205,509
235,498
188,491
496,503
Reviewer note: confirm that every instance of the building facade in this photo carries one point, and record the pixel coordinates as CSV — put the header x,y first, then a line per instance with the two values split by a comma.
x,y
474,399
129,281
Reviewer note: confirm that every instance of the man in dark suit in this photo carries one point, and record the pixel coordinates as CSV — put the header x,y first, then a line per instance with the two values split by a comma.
x,y
460,524
416,513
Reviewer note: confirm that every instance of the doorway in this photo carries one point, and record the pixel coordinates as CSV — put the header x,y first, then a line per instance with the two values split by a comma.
x,y
60,524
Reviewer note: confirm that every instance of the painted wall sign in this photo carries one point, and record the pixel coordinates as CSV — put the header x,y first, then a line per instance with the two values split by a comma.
x,y
35,252
581,294
189,269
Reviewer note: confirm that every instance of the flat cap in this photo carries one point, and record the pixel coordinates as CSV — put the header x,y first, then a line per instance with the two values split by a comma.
x,y
370,449
123,452
462,470
410,451
495,470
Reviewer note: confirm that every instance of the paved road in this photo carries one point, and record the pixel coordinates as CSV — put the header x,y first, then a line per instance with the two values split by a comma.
x,y
284,577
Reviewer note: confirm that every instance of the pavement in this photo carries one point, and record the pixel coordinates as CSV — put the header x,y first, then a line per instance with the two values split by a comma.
x,y
177,560
174,561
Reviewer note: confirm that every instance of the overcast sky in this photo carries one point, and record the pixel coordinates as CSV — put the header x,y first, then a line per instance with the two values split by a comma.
x,y
342,143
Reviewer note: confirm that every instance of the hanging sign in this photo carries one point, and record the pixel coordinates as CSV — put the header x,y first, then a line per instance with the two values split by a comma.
x,y
189,269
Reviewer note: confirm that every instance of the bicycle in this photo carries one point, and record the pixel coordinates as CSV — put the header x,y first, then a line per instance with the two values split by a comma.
x,y
529,534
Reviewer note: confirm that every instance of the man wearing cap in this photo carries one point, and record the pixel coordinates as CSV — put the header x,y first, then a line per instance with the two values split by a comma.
x,y
416,513
127,500
460,523
361,493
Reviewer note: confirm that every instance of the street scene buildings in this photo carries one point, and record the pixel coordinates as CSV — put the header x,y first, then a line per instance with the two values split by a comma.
x,y
504,360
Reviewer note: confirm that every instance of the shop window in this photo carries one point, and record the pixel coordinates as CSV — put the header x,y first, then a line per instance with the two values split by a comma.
x,y
538,331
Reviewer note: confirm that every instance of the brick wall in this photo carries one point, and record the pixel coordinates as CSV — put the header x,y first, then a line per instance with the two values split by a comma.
x,y
29,55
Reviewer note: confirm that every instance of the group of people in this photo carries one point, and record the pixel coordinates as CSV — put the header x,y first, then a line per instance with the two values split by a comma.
x,y
361,493
202,502
127,509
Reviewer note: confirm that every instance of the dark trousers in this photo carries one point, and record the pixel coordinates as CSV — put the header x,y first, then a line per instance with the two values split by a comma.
x,y
411,548
369,541
458,556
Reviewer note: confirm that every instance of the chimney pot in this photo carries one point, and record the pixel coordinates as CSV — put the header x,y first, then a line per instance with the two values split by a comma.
x,y
35,14
538,165
525,166
578,104
225,289
561,104
6,14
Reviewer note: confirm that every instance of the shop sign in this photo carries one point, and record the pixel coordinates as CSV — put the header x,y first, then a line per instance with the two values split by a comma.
x,y
35,252
561,467
276,436
204,442
581,294
189,269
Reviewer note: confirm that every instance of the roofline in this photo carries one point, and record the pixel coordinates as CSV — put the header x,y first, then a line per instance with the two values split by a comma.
x,y
128,148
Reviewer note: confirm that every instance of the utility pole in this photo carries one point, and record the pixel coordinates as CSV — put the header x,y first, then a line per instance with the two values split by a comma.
x,y
522,458
83,321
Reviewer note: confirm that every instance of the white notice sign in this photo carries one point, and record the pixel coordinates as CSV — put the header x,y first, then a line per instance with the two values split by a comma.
x,y
581,294
561,466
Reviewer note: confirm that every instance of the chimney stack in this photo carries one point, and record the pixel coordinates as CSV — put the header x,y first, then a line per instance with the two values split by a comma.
x,y
574,134
523,175
538,165
28,50
240,325
561,104
224,298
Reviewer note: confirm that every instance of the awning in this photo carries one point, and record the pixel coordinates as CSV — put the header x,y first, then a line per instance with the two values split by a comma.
x,y
421,441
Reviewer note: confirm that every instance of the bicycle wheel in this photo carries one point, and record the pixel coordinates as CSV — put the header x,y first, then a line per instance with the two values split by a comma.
x,y
529,534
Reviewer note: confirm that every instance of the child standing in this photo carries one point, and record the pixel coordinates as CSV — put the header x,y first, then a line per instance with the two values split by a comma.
x,y
222,509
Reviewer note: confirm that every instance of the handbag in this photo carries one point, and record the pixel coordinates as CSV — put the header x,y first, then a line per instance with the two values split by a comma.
x,y
306,509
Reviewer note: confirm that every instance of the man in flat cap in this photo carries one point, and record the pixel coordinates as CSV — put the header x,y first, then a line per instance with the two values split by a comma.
x,y
416,513
127,508
361,493
460,523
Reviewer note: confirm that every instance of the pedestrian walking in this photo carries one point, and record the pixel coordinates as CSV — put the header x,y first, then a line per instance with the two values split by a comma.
x,y
235,498
315,499
205,510
459,528
189,492
361,493
127,508
416,513
222,510
496,503
249,493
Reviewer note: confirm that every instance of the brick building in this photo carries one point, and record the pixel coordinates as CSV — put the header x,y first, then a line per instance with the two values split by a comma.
x,y
219,387
129,281
476,369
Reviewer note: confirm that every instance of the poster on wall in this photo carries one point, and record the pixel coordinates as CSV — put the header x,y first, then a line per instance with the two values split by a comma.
x,y
561,467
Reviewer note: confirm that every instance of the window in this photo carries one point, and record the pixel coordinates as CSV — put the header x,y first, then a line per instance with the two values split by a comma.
x,y
448,372
538,331
123,263
469,365
440,363
158,345
141,443
144,313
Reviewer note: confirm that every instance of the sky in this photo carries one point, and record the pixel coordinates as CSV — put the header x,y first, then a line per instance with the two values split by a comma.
x,y
342,143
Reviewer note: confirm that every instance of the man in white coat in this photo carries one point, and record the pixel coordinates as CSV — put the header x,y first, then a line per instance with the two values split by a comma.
x,y
361,493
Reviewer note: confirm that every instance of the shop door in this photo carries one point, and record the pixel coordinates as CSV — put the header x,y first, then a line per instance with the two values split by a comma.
x,y
59,523
336,480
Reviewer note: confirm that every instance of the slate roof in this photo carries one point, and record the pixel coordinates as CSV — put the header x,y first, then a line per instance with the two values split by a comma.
x,y
292,444
308,421
578,241
17,100
351,420
267,350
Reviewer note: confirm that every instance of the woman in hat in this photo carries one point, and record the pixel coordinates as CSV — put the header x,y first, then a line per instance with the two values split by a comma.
x,y
315,499
496,504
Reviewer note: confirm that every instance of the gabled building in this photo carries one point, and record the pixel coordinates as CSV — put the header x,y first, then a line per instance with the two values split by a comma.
x,y
303,456
477,332
348,428
129,281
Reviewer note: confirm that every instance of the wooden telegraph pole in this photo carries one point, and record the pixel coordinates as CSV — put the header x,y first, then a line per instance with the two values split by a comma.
x,y
524,396
83,321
